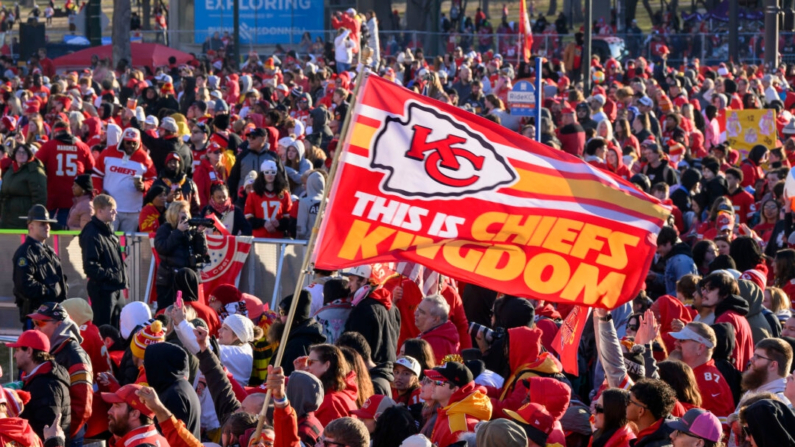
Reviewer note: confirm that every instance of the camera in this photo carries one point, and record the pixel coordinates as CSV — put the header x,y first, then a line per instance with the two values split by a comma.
x,y
201,222
487,333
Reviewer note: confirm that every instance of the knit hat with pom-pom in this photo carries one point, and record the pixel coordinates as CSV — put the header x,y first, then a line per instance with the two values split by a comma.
x,y
149,335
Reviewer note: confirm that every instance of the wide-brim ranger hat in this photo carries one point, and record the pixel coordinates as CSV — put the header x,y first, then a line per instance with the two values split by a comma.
x,y
38,213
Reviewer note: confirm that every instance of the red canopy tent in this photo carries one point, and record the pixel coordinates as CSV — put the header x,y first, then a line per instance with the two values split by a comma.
x,y
150,55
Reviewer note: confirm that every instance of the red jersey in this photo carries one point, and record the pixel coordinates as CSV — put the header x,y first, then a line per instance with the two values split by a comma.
x,y
303,116
744,205
64,158
715,392
409,398
269,207
142,435
789,289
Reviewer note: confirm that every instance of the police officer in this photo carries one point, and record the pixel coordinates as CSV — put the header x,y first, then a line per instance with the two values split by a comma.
x,y
38,276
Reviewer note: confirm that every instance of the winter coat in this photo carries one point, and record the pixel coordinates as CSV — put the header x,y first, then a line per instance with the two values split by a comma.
x,y
379,322
67,352
166,367
771,423
21,189
309,205
102,260
186,187
338,404
443,340
175,248
572,139
468,406
752,294
80,213
160,147
240,226
302,336
321,133
733,310
38,276
49,396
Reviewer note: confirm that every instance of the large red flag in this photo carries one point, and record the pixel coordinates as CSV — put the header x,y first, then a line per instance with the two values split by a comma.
x,y
426,182
567,340
525,32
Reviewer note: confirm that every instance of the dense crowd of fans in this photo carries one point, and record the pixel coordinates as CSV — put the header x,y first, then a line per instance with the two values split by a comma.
x,y
702,357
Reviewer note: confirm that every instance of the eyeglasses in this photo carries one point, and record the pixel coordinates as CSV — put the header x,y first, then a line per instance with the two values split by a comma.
x,y
757,356
632,401
599,409
41,323
746,431
323,441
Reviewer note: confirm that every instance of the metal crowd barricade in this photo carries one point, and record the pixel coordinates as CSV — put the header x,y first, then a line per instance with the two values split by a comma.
x,y
269,273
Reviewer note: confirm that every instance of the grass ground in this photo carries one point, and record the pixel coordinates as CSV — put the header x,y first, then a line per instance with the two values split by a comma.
x,y
60,26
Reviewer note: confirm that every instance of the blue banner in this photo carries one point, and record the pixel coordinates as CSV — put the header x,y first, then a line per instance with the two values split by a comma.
x,y
261,21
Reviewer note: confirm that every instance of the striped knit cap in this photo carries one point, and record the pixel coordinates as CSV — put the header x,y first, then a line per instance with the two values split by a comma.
x,y
149,335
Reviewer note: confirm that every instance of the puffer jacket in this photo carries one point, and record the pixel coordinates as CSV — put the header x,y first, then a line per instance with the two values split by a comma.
x,y
468,406
49,396
21,189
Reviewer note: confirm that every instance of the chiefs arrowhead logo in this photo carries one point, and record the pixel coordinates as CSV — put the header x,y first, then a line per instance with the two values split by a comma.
x,y
430,156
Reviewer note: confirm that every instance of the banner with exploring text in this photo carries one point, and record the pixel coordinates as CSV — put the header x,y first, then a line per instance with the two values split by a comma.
x,y
426,182
748,128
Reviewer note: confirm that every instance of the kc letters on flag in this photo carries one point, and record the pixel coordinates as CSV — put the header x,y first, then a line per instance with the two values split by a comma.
x,y
426,182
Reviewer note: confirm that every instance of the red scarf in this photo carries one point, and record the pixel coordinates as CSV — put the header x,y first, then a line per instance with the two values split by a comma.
x,y
222,208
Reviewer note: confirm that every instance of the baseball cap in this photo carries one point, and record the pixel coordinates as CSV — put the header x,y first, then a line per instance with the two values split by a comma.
x,y
152,121
599,98
257,132
699,423
724,221
646,101
49,311
453,372
689,334
32,339
131,134
535,420
409,363
126,395
567,110
374,406
365,271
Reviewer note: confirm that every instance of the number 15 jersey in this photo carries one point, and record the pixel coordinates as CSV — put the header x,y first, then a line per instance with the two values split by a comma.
x,y
64,158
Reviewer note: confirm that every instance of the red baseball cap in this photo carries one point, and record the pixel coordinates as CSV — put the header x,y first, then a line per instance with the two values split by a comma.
x,y
126,394
567,110
32,339
374,406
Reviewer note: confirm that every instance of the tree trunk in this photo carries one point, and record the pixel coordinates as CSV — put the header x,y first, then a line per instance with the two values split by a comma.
x,y
577,10
484,4
553,8
418,17
146,20
647,5
382,8
632,10
122,13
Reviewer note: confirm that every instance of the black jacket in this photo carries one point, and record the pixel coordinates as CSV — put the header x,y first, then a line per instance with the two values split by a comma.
x,y
38,277
177,249
166,368
188,189
302,336
660,438
379,325
102,261
49,395
381,376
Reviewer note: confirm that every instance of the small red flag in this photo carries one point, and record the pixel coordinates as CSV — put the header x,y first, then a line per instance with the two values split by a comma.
x,y
567,340
525,32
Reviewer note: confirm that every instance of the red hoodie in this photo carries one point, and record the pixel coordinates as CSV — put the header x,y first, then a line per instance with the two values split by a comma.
x,y
18,432
443,340
620,169
339,404
666,309
554,395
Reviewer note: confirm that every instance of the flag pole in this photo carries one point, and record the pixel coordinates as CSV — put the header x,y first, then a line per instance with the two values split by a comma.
x,y
311,245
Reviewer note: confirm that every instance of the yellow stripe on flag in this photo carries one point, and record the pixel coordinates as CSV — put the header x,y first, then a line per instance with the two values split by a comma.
x,y
362,135
537,183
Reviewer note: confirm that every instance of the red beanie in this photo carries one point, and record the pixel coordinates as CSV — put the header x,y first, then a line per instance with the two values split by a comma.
x,y
227,293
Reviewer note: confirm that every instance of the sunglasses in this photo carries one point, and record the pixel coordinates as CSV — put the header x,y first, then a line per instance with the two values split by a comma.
x,y
323,441
217,152
599,409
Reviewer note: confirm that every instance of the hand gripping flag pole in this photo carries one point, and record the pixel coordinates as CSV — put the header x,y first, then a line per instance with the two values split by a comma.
x,y
310,248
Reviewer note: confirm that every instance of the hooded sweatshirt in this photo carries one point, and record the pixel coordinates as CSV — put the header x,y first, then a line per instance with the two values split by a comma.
x,y
468,406
760,328
554,395
733,310
443,340
621,169
379,322
166,367
339,404
305,393
65,348
678,264
309,205
294,174
771,423
722,356
113,135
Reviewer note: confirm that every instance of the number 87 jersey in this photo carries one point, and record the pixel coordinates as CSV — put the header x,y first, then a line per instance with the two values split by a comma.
x,y
64,158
